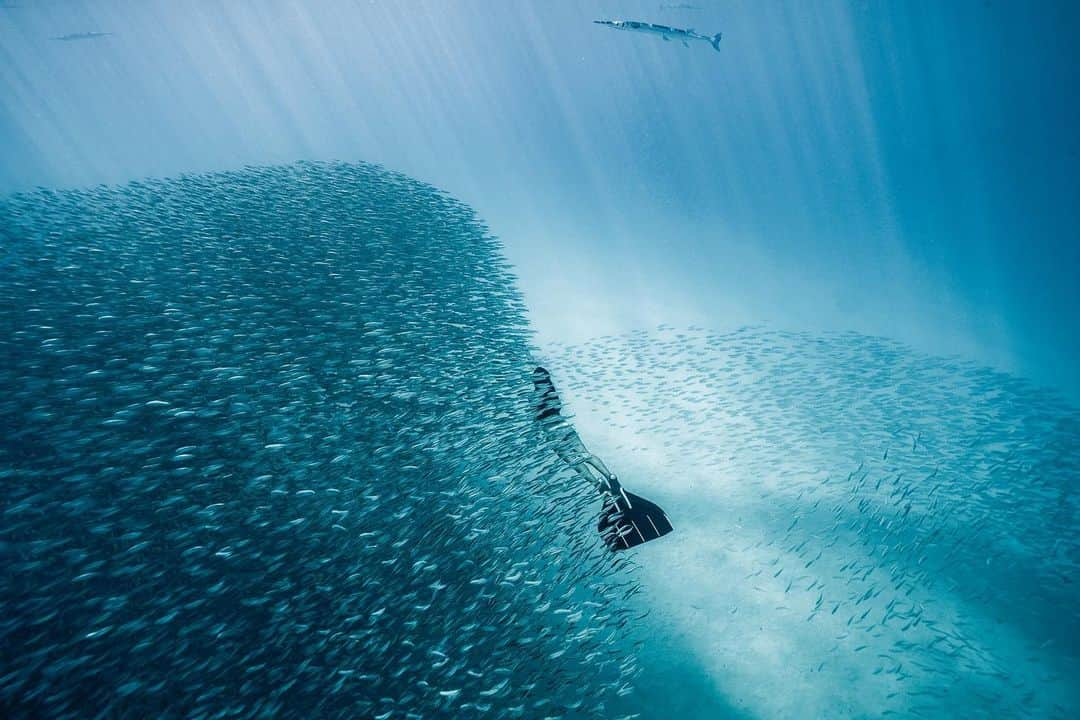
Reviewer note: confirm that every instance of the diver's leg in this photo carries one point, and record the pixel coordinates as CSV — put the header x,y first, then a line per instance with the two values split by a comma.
x,y
573,452
569,446
585,474
588,464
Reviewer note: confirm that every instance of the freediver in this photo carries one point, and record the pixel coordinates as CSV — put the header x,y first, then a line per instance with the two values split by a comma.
x,y
626,520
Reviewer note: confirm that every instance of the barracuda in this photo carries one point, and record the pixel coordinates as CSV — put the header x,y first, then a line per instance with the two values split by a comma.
x,y
667,33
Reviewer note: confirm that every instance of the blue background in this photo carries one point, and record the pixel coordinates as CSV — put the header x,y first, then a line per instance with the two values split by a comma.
x,y
902,169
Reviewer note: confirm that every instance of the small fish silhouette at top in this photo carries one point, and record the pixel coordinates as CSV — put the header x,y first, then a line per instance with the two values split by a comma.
x,y
82,36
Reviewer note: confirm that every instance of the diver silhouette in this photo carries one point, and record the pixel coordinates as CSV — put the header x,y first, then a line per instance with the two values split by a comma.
x,y
626,519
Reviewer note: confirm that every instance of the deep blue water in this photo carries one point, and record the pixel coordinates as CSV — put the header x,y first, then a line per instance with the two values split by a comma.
x,y
833,262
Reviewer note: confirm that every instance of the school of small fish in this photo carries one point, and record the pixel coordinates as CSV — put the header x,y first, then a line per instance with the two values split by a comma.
x,y
861,530
268,451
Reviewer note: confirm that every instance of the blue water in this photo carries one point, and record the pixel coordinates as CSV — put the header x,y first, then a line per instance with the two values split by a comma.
x,y
902,169
895,183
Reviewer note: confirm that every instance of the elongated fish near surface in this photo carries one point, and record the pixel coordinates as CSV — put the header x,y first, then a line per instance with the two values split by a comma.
x,y
667,33
82,36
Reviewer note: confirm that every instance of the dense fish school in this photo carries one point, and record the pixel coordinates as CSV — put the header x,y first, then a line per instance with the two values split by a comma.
x,y
863,531
267,451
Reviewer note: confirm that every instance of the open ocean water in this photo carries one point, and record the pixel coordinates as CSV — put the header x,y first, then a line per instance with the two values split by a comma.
x,y
275,276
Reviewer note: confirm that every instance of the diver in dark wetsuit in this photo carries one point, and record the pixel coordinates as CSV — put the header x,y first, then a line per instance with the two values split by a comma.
x,y
627,519
568,445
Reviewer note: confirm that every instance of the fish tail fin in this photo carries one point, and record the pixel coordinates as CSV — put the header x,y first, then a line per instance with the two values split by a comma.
x,y
716,41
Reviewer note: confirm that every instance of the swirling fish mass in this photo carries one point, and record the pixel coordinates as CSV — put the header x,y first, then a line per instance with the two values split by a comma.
x,y
267,452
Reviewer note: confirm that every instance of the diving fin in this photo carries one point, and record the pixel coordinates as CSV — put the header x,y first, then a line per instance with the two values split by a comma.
x,y
628,520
